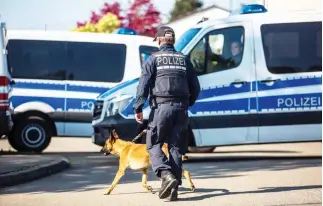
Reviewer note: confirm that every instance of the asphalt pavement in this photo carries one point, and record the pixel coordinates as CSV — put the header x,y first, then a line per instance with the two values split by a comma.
x,y
295,180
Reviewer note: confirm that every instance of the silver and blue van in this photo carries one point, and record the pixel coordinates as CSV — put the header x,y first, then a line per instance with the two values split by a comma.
x,y
261,82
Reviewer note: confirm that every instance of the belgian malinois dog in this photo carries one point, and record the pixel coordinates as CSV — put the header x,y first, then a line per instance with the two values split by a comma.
x,y
135,157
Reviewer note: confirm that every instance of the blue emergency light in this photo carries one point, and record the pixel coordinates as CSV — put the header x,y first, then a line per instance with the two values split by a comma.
x,y
249,9
127,31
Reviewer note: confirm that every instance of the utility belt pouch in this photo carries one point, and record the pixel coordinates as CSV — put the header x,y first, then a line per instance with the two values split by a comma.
x,y
153,103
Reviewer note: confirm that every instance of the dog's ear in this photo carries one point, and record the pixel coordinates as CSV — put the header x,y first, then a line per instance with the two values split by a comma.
x,y
115,134
111,134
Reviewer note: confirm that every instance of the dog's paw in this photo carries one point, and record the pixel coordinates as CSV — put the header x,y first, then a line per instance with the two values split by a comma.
x,y
107,193
154,191
184,158
193,188
149,188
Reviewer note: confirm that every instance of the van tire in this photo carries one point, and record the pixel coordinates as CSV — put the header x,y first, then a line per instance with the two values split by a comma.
x,y
32,134
13,142
191,144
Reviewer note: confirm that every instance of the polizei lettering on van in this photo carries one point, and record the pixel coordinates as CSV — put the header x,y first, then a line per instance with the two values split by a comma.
x,y
299,102
88,105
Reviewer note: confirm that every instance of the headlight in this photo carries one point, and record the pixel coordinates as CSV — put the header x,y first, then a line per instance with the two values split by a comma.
x,y
117,104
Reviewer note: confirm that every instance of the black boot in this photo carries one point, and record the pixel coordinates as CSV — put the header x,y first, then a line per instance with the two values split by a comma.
x,y
173,194
168,183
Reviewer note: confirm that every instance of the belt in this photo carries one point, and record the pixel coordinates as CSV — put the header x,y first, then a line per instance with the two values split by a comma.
x,y
160,100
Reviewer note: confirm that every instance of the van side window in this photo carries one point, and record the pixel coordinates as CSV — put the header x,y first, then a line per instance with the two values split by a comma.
x,y
145,52
58,60
219,50
102,62
292,47
319,44
32,59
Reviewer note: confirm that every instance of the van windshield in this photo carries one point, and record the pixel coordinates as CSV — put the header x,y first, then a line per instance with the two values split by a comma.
x,y
185,38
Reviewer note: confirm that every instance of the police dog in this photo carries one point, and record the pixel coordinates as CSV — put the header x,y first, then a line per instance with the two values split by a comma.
x,y
135,157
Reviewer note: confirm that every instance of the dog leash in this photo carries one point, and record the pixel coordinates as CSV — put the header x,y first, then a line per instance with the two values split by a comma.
x,y
139,135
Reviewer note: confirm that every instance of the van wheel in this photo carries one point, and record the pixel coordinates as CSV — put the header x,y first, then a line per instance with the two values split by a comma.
x,y
191,149
201,149
32,134
13,142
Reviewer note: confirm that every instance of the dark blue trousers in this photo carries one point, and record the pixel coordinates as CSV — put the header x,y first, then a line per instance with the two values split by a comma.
x,y
168,124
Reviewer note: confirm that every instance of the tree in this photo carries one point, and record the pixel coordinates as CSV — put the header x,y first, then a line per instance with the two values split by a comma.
x,y
141,16
182,7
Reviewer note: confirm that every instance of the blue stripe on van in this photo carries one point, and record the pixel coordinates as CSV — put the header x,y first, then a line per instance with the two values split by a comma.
x,y
225,90
54,102
305,101
312,100
83,104
221,106
61,87
247,104
90,89
45,86
288,83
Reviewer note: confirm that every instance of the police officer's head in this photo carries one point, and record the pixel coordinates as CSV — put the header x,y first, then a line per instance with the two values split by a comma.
x,y
165,35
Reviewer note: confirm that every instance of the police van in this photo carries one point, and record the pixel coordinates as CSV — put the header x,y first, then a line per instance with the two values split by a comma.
x,y
58,76
6,82
261,78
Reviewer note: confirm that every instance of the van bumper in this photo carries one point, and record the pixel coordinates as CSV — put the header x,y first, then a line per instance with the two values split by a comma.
x,y
6,123
126,129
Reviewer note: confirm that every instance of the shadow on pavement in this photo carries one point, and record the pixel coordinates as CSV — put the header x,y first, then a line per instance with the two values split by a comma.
x,y
255,151
225,192
93,171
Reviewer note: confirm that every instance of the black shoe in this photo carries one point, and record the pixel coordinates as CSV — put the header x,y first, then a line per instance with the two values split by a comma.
x,y
168,183
173,195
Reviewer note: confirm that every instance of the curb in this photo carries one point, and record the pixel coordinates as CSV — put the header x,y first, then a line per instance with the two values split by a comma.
x,y
34,173
192,159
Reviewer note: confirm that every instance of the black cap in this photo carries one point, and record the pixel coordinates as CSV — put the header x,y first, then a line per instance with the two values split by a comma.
x,y
164,31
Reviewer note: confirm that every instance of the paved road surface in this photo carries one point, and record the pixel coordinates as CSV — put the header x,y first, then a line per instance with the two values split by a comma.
x,y
269,182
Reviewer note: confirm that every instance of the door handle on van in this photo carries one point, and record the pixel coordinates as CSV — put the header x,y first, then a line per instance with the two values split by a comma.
x,y
238,82
267,80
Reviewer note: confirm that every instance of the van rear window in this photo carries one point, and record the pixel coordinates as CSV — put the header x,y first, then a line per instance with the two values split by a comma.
x,y
292,47
145,52
59,60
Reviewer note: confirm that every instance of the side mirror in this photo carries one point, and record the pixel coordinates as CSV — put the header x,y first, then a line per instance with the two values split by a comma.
x,y
196,62
198,67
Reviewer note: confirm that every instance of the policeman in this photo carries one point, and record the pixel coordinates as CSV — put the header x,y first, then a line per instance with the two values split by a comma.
x,y
169,79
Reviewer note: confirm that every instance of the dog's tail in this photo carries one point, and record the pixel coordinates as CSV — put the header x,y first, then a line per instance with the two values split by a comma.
x,y
139,135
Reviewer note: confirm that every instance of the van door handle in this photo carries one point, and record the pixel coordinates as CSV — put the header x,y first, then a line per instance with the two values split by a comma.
x,y
267,80
238,82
